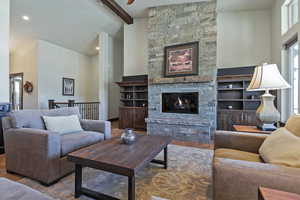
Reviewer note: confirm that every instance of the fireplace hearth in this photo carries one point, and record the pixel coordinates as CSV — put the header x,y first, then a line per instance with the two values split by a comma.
x,y
180,103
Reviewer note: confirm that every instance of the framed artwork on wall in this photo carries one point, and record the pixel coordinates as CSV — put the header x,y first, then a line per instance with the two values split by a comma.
x,y
68,88
182,60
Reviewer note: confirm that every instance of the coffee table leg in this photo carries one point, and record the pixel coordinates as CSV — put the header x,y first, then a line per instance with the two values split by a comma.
x,y
131,188
78,180
166,157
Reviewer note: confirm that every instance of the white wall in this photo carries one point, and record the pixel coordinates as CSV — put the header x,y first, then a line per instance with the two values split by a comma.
x,y
136,48
4,50
94,77
244,38
116,73
24,60
54,63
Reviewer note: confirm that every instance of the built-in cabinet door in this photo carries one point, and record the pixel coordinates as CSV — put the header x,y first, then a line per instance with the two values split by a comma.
x,y
140,114
249,118
226,119
126,118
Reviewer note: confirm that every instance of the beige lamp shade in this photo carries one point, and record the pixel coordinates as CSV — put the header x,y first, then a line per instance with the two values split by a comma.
x,y
267,77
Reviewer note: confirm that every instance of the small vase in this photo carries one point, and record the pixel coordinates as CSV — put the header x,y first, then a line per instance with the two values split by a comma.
x,y
128,137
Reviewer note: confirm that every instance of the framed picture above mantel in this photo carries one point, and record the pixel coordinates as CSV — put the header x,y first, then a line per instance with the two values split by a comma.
x,y
182,60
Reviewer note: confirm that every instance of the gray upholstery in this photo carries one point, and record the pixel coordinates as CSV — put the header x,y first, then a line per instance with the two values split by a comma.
x,y
10,190
75,141
33,118
237,177
98,126
40,154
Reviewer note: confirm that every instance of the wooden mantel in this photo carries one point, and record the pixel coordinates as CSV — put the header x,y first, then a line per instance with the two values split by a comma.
x,y
116,8
187,79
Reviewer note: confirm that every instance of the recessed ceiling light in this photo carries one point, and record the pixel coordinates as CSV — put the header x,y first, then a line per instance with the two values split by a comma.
x,y
97,48
26,18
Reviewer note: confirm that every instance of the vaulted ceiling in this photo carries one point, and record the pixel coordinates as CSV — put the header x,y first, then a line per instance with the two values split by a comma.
x,y
75,24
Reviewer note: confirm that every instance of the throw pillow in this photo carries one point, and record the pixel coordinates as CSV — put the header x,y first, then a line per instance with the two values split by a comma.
x,y
293,125
281,147
63,124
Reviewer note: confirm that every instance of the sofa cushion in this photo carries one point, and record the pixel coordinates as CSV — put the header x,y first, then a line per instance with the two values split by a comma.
x,y
293,125
33,118
238,155
75,141
62,124
10,190
281,147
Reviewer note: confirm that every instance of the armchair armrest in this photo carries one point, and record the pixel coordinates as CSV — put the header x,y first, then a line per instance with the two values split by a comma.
x,y
98,126
246,177
33,152
249,142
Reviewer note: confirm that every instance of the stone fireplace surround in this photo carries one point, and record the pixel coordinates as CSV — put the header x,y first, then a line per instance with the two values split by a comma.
x,y
186,127
179,24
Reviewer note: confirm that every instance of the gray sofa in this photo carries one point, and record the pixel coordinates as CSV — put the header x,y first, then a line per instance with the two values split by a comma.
x,y
34,152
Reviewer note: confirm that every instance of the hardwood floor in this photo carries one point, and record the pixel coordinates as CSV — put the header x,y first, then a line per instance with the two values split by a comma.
x,y
116,132
3,172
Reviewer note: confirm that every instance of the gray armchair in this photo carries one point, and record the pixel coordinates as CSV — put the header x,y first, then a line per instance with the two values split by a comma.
x,y
34,152
238,170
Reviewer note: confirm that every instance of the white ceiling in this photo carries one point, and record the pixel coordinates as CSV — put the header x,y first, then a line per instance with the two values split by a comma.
x,y
73,24
239,5
140,7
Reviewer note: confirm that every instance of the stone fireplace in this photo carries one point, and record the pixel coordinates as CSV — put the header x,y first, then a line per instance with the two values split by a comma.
x,y
183,107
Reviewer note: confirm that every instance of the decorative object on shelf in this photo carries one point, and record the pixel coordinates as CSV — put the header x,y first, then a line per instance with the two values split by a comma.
x,y
128,137
267,77
68,88
182,59
230,107
28,87
130,2
230,86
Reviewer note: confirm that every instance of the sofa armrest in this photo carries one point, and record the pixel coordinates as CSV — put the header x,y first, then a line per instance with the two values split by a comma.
x,y
98,126
246,177
32,152
249,142
41,143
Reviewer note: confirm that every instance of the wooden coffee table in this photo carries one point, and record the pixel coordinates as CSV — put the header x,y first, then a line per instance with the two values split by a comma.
x,y
115,157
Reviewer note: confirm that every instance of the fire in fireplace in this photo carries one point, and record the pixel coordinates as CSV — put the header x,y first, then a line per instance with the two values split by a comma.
x,y
180,103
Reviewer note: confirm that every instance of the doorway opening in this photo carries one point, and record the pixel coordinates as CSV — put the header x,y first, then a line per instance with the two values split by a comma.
x,y
16,90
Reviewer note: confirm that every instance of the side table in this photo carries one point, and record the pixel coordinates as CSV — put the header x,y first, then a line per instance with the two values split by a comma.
x,y
271,194
250,129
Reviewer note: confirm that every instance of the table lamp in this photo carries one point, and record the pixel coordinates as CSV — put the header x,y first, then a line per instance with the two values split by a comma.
x,y
267,77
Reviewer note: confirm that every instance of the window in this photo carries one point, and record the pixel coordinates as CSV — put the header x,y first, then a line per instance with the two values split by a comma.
x,y
294,76
289,14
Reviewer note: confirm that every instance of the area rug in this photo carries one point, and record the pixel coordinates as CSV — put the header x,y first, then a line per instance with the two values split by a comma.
x,y
187,178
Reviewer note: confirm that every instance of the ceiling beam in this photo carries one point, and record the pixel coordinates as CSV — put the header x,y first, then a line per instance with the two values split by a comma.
x,y
116,8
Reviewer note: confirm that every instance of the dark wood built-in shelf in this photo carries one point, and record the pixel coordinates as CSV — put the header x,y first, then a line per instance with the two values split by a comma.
x,y
134,102
236,105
